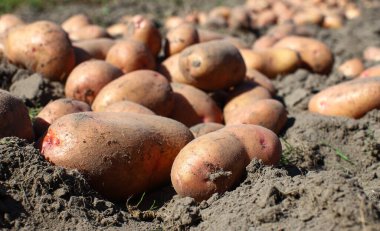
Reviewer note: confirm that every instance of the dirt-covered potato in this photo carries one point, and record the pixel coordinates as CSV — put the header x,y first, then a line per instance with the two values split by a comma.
x,y
14,117
212,65
350,99
352,67
193,106
179,38
145,87
86,80
121,154
205,128
54,110
128,106
97,48
41,47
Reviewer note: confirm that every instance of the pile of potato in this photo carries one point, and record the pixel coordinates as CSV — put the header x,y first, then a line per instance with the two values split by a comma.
x,y
192,105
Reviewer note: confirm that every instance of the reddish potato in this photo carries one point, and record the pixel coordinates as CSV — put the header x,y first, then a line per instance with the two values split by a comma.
x,y
86,80
128,106
145,87
351,68
371,72
179,38
121,154
205,128
15,117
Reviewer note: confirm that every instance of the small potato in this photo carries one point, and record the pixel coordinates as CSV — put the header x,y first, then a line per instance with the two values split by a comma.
x,y
170,69
264,42
264,19
88,32
128,106
14,117
372,53
205,128
8,21
313,53
143,29
98,48
86,80
130,55
145,87
118,29
193,106
239,18
179,38
212,65
173,21
208,35
41,47
279,61
120,154
75,22
54,110
268,113
371,72
308,16
350,99
261,80
252,59
351,68
215,162
333,21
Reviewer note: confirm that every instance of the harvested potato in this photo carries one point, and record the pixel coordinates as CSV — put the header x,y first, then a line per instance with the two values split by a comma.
x,y
208,35
350,99
352,67
97,48
88,32
315,54
86,80
264,42
279,61
212,65
173,21
372,53
239,18
145,87
371,72
41,47
117,30
130,55
215,162
333,21
264,19
15,117
55,110
128,106
8,21
205,128
260,79
268,113
193,106
121,154
75,22
179,38
252,59
170,69
308,16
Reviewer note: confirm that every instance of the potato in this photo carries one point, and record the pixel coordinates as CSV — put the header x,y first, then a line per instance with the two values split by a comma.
x,y
86,80
349,99
237,42
315,54
308,16
130,55
81,55
143,29
55,110
252,59
215,162
41,47
145,87
173,21
212,65
193,106
117,29
372,53
264,19
8,21
268,113
75,22
170,69
179,38
352,67
121,154
15,117
205,128
264,42
261,80
371,72
208,35
220,12
239,18
98,48
279,61
128,106
88,32
333,21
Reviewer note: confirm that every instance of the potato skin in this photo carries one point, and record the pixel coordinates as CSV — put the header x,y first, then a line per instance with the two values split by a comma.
x,y
205,128
260,79
278,61
42,47
148,88
352,67
15,117
350,99
88,78
193,106
371,72
75,22
170,69
8,21
212,65
128,106
98,48
252,59
179,38
121,154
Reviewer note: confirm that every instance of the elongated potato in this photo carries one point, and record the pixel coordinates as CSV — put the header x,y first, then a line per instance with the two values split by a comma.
x,y
350,99
253,59
193,106
145,87
97,48
14,117
86,80
278,61
121,154
371,72
212,65
55,110
42,47
179,38
260,79
128,106
205,128
312,52
215,162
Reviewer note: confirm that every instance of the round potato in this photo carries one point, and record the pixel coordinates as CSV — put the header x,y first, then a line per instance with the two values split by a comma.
x,y
179,38
279,61
88,32
351,68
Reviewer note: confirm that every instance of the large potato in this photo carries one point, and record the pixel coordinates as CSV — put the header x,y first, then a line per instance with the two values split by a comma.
x,y
86,80
212,65
350,99
121,154
145,87
14,117
42,47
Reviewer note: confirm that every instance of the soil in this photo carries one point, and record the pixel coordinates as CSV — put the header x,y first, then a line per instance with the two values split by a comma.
x,y
329,178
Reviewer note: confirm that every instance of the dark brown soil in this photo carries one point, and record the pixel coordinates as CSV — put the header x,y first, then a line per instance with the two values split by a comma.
x,y
329,178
